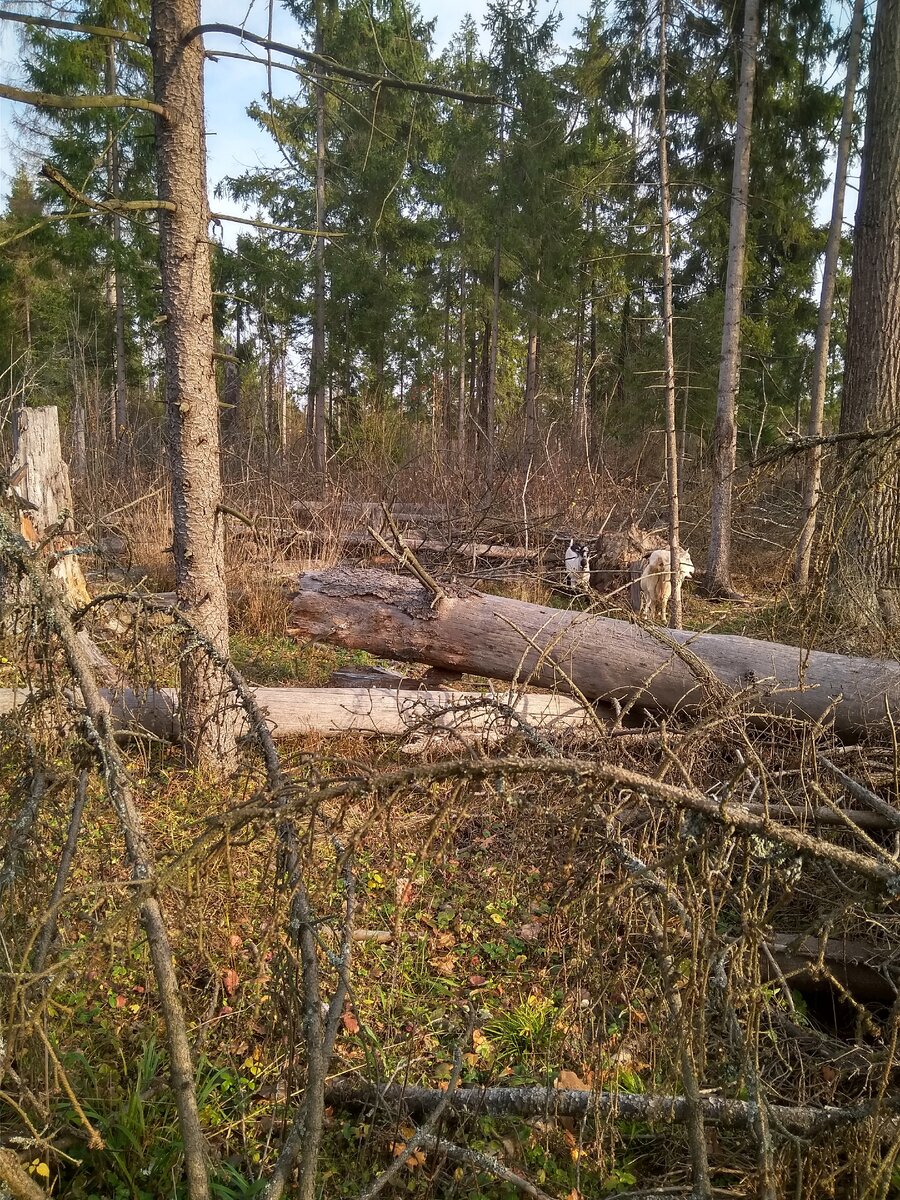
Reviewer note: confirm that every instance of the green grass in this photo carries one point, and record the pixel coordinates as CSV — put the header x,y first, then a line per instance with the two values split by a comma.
x,y
282,662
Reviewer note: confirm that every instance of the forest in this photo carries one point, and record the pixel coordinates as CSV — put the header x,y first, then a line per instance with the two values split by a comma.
x,y
450,602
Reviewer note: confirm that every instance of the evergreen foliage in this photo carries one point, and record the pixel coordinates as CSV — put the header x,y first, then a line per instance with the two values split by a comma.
x,y
558,180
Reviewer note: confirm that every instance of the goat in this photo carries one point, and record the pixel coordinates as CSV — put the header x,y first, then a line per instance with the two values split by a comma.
x,y
578,566
656,581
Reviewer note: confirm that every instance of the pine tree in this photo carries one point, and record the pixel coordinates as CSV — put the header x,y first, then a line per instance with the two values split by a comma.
x,y
109,155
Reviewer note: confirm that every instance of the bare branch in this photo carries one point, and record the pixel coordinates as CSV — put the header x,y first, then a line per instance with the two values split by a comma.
x,y
110,206
98,732
47,100
333,68
327,233
118,35
482,1162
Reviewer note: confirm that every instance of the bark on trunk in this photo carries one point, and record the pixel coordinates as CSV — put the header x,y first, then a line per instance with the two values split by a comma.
x,y
79,441
490,391
812,487
317,428
553,1103
725,433
668,338
230,422
596,443
599,657
119,413
531,419
191,400
461,388
865,567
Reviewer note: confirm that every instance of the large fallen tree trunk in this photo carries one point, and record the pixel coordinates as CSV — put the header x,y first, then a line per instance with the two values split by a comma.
x,y
295,711
596,657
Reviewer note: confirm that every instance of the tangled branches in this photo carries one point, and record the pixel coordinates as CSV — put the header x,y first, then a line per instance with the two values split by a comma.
x,y
688,927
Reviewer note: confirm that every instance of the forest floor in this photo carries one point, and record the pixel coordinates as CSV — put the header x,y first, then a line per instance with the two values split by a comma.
x,y
495,922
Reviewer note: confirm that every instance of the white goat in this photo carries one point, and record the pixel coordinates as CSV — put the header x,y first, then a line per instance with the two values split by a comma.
x,y
656,581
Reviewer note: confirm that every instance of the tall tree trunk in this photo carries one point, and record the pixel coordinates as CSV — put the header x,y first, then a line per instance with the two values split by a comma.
x,y
593,390
812,487
281,391
490,391
483,385
316,426
461,389
579,391
444,409
624,346
231,397
191,400
531,388
865,567
79,441
725,433
668,335
119,407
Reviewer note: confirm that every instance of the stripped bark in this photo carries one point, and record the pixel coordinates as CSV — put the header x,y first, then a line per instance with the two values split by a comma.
x,y
42,481
293,712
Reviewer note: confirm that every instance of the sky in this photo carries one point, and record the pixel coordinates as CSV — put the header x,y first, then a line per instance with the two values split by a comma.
x,y
235,143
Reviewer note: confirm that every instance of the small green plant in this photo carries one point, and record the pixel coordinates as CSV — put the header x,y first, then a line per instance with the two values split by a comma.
x,y
134,1113
525,1031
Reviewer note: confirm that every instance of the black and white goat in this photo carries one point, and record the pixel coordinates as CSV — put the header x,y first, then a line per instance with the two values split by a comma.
x,y
578,566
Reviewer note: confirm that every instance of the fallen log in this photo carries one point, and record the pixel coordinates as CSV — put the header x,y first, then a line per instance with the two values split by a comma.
x,y
864,970
802,1120
425,544
331,711
592,656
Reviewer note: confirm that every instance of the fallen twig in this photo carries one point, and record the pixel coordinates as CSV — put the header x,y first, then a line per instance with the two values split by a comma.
x,y
482,1162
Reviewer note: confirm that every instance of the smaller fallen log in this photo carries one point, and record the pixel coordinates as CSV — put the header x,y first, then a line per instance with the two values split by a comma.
x,y
860,968
802,1120
293,712
424,543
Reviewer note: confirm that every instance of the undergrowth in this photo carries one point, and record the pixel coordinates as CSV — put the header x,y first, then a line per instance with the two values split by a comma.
x,y
525,923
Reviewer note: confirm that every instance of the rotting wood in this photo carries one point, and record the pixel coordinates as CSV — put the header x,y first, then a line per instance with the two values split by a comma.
x,y
862,969
293,712
596,657
42,481
372,676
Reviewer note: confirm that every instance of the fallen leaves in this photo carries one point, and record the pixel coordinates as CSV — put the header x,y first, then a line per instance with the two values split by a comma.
x,y
349,1021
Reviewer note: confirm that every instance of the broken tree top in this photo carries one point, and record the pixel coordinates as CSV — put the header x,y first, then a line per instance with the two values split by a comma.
x,y
592,656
